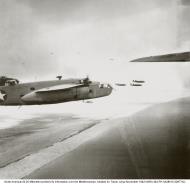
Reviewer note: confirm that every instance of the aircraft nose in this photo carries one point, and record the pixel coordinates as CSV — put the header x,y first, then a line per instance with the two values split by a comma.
x,y
110,88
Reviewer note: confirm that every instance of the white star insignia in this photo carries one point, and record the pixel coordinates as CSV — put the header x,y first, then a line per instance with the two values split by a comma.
x,y
2,96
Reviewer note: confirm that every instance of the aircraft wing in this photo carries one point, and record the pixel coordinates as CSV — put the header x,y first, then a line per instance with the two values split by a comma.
x,y
174,57
47,94
62,87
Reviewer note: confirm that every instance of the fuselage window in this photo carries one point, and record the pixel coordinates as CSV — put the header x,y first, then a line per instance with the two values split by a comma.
x,y
10,83
101,85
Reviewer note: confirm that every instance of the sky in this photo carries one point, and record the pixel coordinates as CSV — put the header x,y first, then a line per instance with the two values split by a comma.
x,y
75,38
41,39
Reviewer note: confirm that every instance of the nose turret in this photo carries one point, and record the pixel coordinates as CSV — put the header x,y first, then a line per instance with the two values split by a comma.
x,y
106,89
109,89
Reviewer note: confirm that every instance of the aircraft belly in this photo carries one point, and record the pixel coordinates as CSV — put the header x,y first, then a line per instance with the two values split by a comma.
x,y
60,96
82,93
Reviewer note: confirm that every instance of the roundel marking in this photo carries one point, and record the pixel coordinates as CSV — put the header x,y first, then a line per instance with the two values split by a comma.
x,y
3,96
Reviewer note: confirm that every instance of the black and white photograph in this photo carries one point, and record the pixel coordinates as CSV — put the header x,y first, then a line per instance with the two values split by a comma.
x,y
94,90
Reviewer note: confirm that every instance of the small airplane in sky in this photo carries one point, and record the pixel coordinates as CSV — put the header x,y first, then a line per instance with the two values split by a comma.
x,y
138,81
135,84
88,101
50,92
120,84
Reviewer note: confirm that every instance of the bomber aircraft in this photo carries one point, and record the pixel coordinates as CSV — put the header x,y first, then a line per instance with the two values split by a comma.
x,y
138,81
135,84
120,84
50,92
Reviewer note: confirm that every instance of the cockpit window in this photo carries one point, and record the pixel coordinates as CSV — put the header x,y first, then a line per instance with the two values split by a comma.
x,y
104,86
11,82
5,81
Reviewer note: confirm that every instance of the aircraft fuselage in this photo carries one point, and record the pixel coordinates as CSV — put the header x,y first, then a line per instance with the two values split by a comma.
x,y
26,93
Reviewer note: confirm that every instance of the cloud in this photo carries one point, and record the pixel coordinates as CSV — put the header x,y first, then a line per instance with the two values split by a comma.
x,y
184,24
21,52
185,2
72,11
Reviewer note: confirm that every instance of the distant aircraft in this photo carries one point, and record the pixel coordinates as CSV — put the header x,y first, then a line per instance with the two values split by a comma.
x,y
120,84
135,84
88,101
50,92
138,81
111,59
174,57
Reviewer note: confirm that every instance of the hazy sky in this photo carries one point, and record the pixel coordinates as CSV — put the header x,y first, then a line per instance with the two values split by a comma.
x,y
41,39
